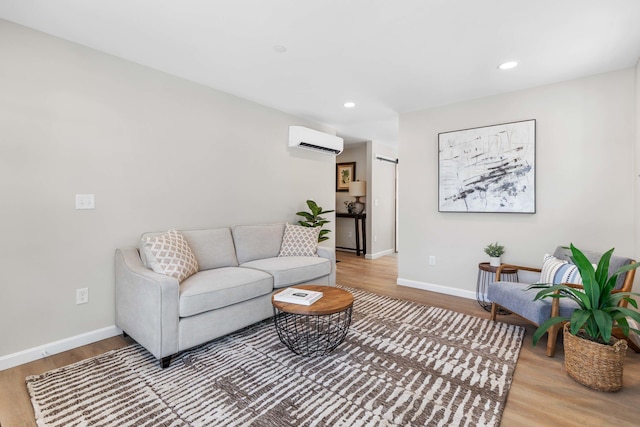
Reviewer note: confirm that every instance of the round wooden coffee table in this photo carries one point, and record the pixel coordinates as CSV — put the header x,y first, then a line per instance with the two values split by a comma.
x,y
316,329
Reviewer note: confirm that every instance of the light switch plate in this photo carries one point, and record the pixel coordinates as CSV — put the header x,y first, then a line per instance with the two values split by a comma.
x,y
85,201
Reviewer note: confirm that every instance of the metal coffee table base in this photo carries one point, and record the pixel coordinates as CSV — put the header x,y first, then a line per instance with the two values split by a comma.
x,y
312,335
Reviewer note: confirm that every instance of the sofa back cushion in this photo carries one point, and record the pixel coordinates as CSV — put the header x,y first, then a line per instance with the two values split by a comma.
x,y
213,248
257,241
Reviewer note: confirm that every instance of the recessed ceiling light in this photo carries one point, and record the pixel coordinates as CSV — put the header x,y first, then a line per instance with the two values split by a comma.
x,y
279,48
508,65
349,104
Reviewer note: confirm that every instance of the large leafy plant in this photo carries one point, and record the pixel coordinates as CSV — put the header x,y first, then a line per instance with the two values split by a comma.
x,y
313,219
598,302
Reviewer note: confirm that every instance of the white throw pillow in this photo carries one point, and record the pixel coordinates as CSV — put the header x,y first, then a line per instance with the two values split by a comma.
x,y
299,241
170,254
557,271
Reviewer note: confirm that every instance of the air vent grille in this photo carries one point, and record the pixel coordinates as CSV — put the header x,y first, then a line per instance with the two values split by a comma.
x,y
317,147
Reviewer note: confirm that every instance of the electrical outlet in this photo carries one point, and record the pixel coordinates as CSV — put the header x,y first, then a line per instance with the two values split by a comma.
x,y
432,260
82,296
349,234
85,201
375,238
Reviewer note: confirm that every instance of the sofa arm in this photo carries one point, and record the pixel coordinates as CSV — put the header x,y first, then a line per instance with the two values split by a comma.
x,y
147,304
330,254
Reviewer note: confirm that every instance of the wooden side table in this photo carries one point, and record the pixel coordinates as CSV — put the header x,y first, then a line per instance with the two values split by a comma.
x,y
316,329
486,275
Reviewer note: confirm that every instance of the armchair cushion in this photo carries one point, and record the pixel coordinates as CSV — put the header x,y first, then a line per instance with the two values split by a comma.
x,y
557,271
516,298
615,263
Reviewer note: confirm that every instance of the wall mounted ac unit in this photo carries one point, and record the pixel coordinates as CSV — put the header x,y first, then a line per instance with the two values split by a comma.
x,y
309,139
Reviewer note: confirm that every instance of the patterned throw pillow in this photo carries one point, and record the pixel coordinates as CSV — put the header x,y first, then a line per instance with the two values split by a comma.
x,y
557,271
299,241
170,254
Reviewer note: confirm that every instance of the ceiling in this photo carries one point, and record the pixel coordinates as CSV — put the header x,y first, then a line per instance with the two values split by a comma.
x,y
387,56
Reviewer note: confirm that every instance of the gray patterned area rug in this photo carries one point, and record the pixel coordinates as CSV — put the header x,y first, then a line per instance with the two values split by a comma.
x,y
402,364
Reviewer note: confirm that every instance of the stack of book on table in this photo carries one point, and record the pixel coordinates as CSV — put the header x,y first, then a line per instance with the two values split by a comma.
x,y
297,296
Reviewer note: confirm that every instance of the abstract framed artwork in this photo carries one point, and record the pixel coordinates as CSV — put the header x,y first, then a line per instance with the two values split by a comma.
x,y
488,169
345,173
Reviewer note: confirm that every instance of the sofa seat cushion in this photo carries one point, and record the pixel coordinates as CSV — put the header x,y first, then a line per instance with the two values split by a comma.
x,y
516,298
287,271
220,287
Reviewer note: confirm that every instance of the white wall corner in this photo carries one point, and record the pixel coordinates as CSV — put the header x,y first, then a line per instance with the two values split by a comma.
x,y
42,351
380,254
437,288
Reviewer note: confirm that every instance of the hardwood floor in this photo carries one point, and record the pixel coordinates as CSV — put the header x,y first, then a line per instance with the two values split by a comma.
x,y
541,394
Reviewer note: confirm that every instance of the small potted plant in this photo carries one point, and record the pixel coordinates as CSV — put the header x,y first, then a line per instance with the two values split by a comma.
x,y
592,357
495,251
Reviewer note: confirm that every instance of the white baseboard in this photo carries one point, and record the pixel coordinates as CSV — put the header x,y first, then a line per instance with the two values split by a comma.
x,y
380,254
437,288
370,256
42,351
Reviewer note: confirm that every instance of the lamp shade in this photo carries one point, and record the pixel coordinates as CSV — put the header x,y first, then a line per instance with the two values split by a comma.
x,y
357,188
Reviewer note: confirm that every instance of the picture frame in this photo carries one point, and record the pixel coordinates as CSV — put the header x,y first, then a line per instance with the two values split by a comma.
x,y
345,173
489,169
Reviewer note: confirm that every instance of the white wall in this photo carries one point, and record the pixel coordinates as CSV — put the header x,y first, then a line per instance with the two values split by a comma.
x,y
157,152
585,180
381,215
380,178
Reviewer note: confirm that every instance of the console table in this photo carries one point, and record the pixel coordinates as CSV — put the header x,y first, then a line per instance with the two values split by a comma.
x,y
362,218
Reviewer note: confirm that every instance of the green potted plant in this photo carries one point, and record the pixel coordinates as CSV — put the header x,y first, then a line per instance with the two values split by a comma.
x,y
592,357
495,251
313,219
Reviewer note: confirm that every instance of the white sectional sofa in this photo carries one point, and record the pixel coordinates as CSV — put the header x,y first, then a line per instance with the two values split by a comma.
x,y
238,270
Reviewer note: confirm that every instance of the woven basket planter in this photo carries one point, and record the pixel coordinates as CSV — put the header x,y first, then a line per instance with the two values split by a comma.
x,y
594,365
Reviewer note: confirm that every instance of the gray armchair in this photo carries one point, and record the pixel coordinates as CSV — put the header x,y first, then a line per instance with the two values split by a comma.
x,y
515,298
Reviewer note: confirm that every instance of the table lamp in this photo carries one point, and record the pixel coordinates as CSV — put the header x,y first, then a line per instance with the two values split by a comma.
x,y
358,189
